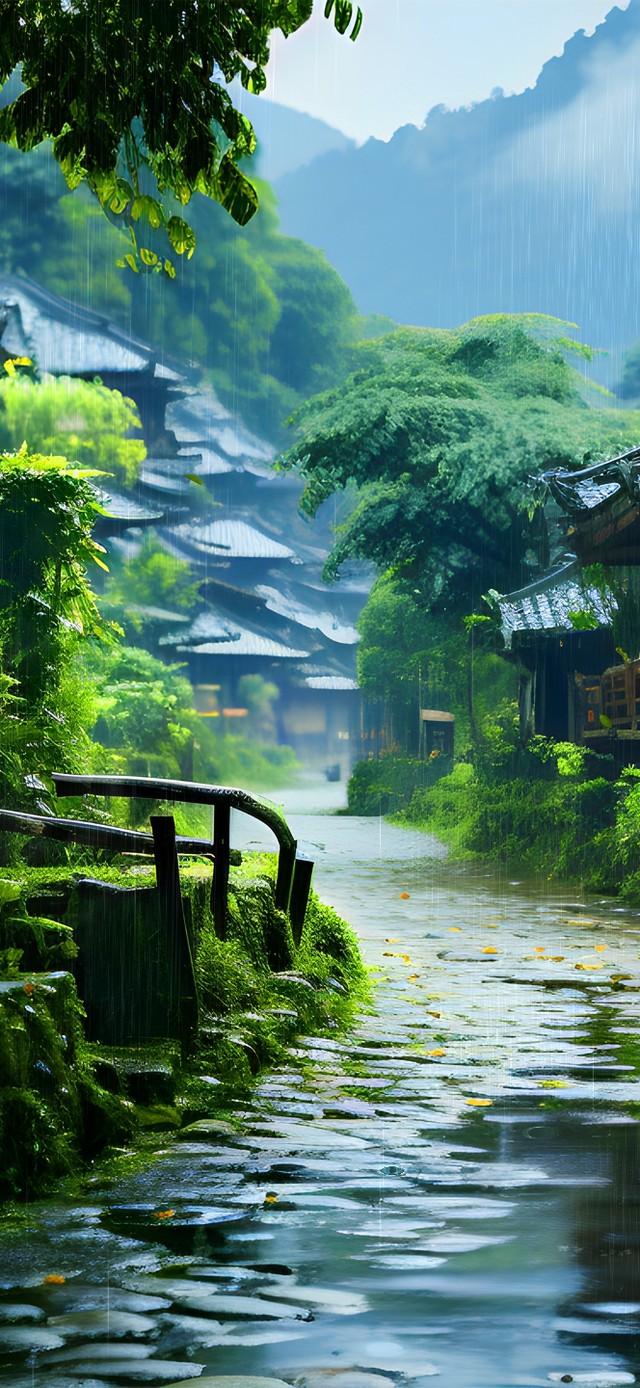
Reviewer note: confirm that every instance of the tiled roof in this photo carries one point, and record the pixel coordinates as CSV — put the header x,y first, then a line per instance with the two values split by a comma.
x,y
317,620
126,509
67,340
246,642
199,418
330,682
229,539
545,606
587,488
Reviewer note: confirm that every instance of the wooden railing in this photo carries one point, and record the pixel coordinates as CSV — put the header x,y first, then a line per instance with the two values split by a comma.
x,y
293,878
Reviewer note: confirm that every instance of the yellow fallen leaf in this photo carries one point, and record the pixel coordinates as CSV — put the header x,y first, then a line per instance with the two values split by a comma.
x,y
553,1084
480,1103
616,978
489,949
455,927
53,1279
412,978
433,1014
539,949
164,1214
557,958
270,1198
392,940
588,966
437,1051
599,948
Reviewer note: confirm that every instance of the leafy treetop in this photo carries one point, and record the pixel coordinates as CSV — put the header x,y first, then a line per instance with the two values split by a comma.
x,y
76,419
437,434
127,89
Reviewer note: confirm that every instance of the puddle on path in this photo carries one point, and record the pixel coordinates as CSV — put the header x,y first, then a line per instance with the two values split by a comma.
x,y
451,1190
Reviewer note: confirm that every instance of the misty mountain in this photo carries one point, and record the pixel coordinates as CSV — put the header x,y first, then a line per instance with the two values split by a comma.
x,y
526,203
287,139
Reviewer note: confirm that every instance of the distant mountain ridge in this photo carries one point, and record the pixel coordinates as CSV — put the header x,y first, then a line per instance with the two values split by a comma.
x,y
526,203
287,139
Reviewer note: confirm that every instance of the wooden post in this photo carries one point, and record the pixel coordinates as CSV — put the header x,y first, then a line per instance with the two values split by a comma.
x,y
284,879
303,869
183,998
221,851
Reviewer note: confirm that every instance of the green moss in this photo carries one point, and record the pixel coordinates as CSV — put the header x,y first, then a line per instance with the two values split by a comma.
x,y
256,991
51,1110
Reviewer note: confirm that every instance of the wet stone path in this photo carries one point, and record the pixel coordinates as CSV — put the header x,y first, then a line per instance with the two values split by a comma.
x,y
452,1189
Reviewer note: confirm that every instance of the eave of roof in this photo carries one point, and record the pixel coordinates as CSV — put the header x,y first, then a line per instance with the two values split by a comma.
x,y
67,340
246,643
544,607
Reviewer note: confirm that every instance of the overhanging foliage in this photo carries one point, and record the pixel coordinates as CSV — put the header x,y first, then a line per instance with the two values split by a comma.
x,y
125,89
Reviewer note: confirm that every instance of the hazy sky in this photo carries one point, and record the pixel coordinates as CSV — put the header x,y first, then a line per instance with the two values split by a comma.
x,y
413,54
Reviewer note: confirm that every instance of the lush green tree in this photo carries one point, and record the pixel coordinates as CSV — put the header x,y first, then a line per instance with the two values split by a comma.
x,y
441,432
144,710
125,91
78,419
409,659
153,578
47,509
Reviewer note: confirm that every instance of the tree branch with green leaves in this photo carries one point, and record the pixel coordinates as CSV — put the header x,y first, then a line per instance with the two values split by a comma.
x,y
135,100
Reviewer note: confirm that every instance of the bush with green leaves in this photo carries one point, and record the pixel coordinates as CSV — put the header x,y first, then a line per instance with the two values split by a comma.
x,y
552,808
47,609
144,710
80,420
151,578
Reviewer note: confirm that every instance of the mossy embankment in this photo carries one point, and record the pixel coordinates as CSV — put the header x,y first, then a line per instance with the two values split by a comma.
x,y
64,1100
550,809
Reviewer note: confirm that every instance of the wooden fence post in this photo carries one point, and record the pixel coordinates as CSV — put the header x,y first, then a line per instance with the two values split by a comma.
x,y
221,850
182,982
301,886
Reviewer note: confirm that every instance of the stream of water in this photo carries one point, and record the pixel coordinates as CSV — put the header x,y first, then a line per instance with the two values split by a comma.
x,y
452,1189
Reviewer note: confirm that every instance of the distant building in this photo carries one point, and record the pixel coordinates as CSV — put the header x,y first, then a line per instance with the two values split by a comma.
x,y
259,563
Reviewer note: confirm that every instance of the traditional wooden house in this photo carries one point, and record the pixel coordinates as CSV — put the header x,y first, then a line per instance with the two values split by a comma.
x,y
556,628
578,685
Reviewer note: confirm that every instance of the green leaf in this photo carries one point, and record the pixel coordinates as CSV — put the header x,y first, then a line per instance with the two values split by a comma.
x,y
181,236
121,196
605,720
147,257
583,621
191,477
131,261
357,26
149,208
169,269
235,193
